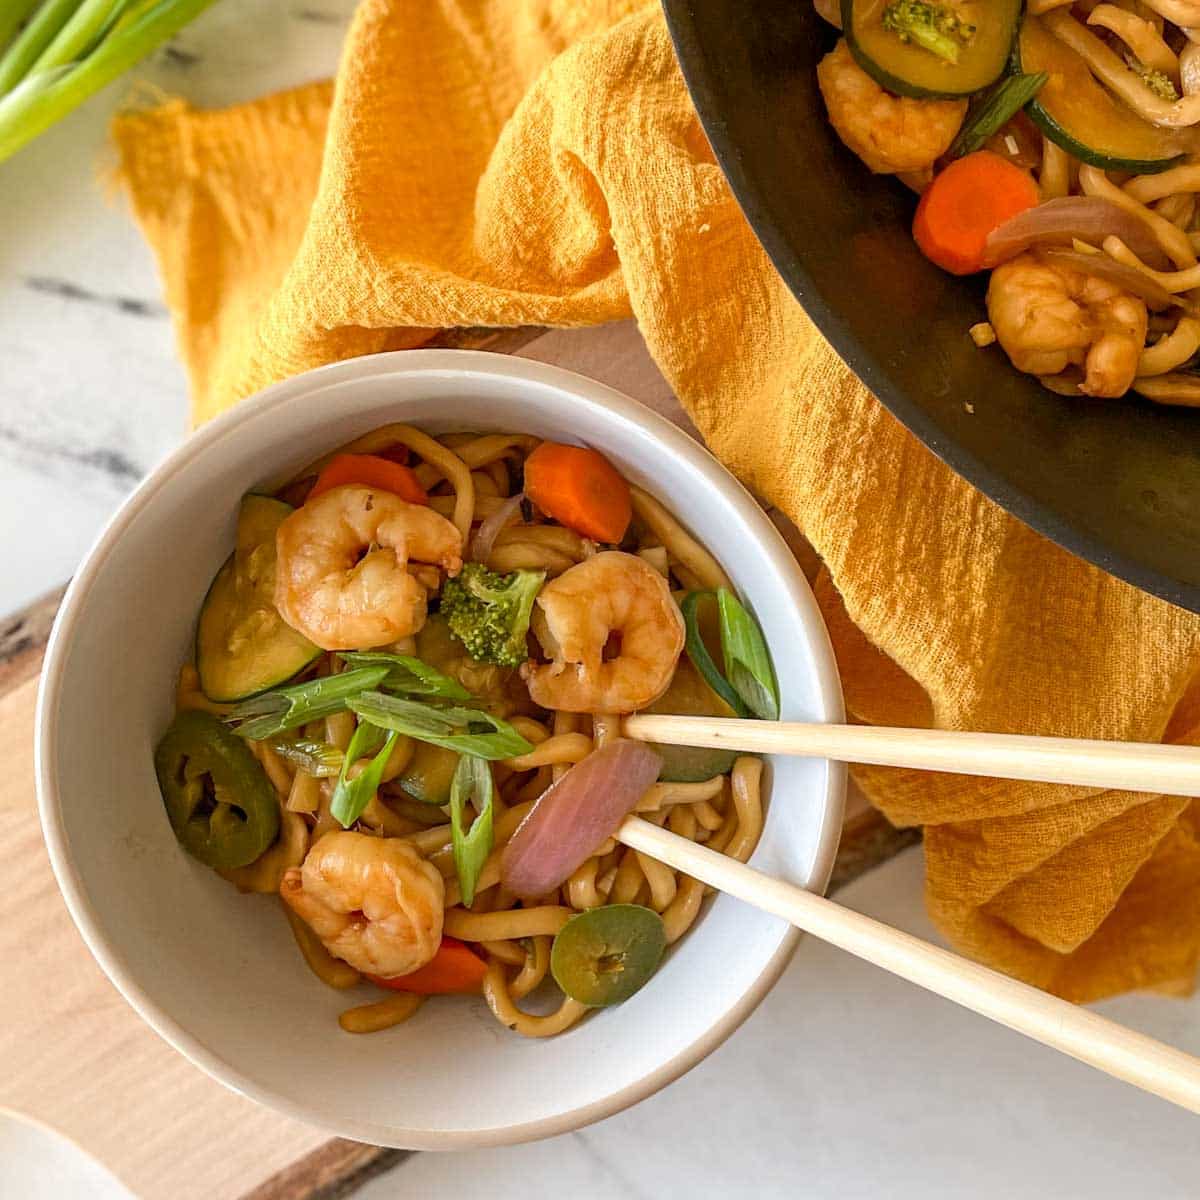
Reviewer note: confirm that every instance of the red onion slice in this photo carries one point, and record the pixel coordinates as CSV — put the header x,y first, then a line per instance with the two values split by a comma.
x,y
485,535
1057,222
1130,279
574,816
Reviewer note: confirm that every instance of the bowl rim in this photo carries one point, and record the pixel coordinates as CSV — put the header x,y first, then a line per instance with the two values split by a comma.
x,y
478,366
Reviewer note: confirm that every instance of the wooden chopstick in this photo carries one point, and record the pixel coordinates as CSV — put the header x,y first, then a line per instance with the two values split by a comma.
x,y
1133,766
1123,1053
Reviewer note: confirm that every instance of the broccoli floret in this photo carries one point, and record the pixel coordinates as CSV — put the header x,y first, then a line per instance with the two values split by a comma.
x,y
934,27
489,612
1157,81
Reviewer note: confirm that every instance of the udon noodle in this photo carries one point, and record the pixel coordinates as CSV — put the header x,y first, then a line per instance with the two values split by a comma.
x,y
1045,168
470,482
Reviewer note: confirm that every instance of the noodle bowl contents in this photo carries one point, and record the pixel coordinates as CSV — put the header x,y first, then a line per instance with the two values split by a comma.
x,y
404,720
1053,147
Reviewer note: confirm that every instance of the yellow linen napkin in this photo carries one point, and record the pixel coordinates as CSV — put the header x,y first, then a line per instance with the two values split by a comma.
x,y
491,162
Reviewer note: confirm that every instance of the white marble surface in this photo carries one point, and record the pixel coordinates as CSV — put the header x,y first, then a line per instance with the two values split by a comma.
x,y
91,393
846,1083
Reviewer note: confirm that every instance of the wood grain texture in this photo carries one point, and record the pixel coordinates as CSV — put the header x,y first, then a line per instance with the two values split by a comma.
x,y
71,1048
333,1170
23,640
75,1055
498,341
868,841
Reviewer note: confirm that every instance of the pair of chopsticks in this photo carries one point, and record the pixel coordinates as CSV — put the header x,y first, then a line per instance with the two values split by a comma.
x,y
1171,770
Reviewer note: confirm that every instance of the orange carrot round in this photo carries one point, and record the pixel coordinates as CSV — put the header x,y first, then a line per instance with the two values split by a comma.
x,y
964,203
372,471
579,488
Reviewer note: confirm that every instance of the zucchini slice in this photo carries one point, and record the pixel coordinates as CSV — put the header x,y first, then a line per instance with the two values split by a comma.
x,y
689,695
429,773
908,69
1074,110
243,645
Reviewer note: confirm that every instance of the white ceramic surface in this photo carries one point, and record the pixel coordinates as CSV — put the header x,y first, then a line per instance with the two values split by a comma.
x,y
216,973
38,1163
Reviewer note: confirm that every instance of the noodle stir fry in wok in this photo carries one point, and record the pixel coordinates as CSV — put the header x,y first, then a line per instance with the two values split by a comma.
x,y
1052,144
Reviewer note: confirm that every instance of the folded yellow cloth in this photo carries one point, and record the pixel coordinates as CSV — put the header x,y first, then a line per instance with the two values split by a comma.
x,y
499,163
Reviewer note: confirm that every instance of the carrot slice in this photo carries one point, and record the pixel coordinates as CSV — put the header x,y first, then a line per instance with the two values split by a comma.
x,y
579,488
372,471
454,969
964,203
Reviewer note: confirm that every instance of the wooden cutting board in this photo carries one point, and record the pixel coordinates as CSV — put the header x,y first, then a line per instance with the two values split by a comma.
x,y
75,1055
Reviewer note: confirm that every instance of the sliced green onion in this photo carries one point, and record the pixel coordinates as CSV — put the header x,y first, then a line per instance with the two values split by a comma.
x,y
747,661
995,109
472,781
467,730
408,674
33,102
351,796
698,652
319,759
290,707
365,739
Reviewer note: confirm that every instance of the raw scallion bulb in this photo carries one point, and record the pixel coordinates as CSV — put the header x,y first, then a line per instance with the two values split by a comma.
x,y
40,30
69,49
12,15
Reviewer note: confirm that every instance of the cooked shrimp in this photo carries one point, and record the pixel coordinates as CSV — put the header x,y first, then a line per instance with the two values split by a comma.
x,y
342,578
374,902
1049,317
889,133
609,594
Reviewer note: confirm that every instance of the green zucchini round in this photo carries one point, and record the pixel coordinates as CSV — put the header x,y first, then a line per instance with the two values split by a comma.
x,y
689,695
907,69
243,645
1077,113
429,773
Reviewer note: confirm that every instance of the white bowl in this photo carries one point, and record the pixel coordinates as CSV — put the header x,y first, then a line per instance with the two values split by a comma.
x,y
217,973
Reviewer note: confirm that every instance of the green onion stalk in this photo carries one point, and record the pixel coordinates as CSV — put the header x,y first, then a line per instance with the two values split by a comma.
x,y
38,33
472,844
351,796
13,15
70,49
748,684
281,709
